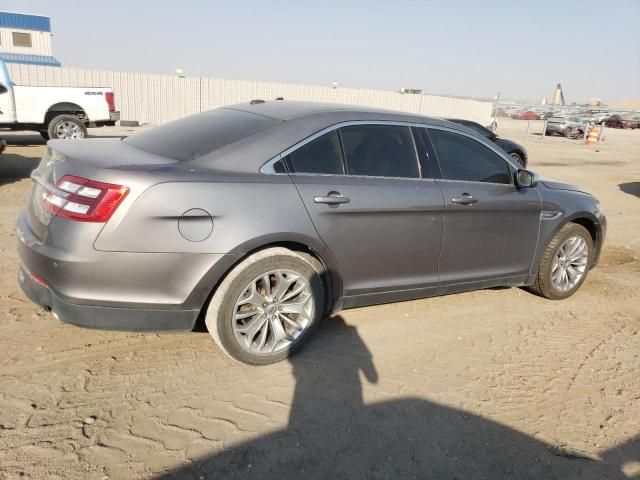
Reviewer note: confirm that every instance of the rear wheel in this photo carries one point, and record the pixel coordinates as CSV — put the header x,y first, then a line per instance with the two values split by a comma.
x,y
266,307
565,263
66,127
569,132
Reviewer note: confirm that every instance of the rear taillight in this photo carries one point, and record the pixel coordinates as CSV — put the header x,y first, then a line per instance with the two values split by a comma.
x,y
84,200
110,98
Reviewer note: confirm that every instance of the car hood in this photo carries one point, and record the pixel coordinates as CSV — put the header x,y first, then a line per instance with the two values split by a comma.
x,y
555,185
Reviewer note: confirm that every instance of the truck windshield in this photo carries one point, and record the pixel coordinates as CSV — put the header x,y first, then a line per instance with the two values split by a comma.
x,y
191,137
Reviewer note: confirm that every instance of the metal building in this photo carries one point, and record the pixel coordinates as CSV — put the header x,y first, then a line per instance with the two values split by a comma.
x,y
26,39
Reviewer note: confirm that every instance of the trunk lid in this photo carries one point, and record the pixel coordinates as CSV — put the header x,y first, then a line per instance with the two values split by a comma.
x,y
95,159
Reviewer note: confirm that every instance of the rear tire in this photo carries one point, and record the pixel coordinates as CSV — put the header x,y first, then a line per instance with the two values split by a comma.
x,y
544,284
569,133
66,127
234,328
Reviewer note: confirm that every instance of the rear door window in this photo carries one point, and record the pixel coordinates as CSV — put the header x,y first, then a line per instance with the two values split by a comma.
x,y
380,151
462,158
321,156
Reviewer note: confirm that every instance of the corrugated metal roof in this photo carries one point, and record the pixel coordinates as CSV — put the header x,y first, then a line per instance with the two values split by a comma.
x,y
25,22
29,59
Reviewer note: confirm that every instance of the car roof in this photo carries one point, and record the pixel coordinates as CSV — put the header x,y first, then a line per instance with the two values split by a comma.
x,y
287,110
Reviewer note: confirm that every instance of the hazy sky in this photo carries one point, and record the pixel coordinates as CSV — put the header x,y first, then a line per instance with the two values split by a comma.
x,y
458,47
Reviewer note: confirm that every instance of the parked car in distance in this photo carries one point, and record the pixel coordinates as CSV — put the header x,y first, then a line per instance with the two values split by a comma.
x,y
526,116
621,121
570,127
265,217
517,151
55,112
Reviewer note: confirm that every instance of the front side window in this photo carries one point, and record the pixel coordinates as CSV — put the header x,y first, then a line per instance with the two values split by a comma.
x,y
21,39
462,158
321,155
380,151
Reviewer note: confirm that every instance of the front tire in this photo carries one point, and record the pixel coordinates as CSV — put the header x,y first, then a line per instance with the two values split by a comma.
x,y
565,263
266,307
66,127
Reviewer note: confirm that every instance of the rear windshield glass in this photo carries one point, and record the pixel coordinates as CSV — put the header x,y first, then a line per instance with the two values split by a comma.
x,y
200,134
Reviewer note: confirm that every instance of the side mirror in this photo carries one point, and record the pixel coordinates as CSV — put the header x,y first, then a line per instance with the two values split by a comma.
x,y
526,178
3,89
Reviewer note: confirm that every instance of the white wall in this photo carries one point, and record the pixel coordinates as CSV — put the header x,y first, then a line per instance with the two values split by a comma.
x,y
154,98
40,42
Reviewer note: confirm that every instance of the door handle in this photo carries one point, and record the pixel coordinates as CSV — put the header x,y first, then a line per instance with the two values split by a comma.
x,y
464,199
332,198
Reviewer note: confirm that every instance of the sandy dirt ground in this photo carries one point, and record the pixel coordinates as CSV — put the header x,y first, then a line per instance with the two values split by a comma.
x,y
489,384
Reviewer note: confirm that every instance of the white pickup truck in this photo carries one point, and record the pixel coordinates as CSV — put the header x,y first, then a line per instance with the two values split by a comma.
x,y
55,112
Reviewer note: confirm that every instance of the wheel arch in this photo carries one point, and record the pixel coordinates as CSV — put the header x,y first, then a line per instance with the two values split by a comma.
x,y
62,108
584,218
311,249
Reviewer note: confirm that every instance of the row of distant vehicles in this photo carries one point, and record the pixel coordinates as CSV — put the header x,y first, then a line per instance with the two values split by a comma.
x,y
573,123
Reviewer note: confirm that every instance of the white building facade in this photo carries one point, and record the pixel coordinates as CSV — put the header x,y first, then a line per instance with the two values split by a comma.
x,y
26,39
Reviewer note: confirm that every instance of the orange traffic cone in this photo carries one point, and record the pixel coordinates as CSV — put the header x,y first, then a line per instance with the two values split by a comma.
x,y
592,138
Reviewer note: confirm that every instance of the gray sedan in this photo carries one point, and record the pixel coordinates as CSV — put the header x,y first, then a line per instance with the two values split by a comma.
x,y
262,218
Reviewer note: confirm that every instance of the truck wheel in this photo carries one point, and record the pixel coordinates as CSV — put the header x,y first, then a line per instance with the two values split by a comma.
x,y
66,127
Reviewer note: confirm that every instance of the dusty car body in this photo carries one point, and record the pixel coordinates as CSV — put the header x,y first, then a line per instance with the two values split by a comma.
x,y
264,217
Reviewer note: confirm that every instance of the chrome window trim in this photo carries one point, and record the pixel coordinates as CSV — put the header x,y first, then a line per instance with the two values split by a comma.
x,y
268,167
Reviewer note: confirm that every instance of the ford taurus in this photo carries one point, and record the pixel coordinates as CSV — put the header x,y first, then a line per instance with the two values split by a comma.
x,y
264,217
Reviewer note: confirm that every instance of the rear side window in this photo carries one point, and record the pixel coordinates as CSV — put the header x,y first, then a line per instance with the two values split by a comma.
x,y
321,155
462,158
380,151
200,134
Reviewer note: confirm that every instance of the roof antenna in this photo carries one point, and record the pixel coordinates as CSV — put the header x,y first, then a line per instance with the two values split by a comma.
x,y
256,102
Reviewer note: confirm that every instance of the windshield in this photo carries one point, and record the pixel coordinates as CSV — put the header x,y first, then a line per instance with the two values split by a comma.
x,y
191,137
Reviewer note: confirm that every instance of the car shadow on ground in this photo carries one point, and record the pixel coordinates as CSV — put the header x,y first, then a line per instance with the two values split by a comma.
x,y
15,167
632,188
333,434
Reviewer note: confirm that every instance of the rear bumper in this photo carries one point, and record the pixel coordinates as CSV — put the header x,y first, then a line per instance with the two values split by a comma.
x,y
113,290
104,318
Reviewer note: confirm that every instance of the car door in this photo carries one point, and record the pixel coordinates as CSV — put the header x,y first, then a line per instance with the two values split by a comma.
x,y
490,226
362,188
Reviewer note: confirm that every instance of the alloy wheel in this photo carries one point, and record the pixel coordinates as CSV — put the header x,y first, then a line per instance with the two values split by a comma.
x,y
569,264
273,312
68,130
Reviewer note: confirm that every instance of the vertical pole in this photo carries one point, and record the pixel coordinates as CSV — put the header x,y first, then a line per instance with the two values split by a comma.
x,y
601,133
544,131
586,133
528,128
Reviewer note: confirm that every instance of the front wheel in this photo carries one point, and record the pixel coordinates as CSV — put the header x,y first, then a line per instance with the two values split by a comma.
x,y
565,263
266,307
66,127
